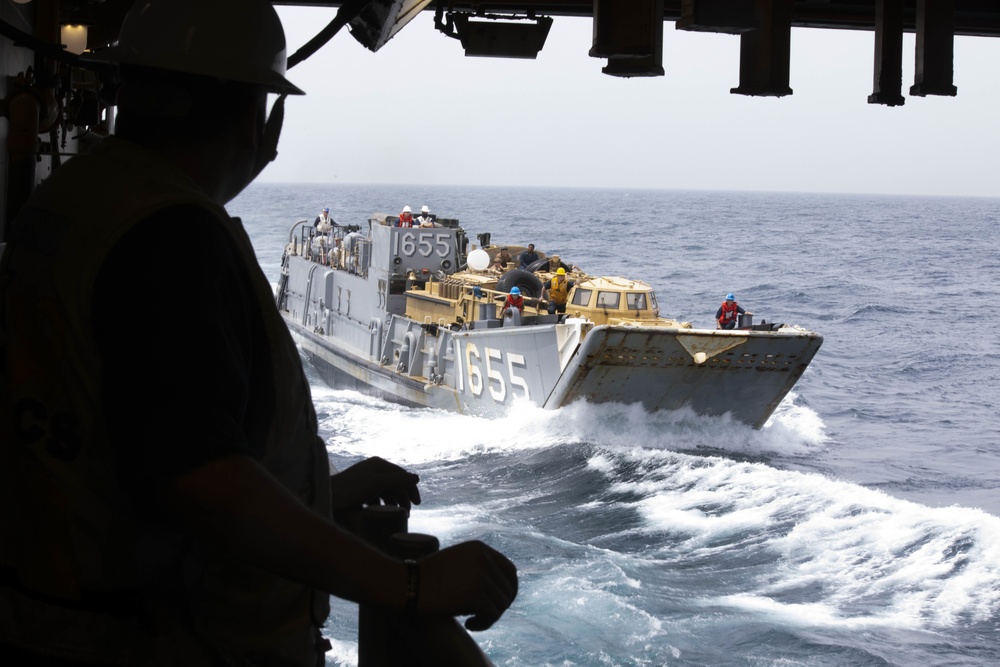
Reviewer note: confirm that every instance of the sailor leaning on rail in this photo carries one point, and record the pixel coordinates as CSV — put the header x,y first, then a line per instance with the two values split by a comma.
x,y
326,244
425,219
324,222
514,300
405,218
727,316
167,501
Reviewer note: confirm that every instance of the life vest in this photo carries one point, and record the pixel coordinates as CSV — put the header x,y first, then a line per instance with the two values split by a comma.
x,y
728,312
83,576
559,291
514,302
405,220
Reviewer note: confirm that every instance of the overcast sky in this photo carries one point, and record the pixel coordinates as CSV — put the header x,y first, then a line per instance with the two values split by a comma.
x,y
420,112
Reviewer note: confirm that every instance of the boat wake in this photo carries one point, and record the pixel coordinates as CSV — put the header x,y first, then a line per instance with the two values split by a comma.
x,y
620,496
358,425
673,528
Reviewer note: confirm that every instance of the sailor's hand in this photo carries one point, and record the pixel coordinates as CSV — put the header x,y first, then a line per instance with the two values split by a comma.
x,y
374,481
468,579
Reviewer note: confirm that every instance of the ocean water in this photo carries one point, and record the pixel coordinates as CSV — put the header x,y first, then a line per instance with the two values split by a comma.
x,y
860,526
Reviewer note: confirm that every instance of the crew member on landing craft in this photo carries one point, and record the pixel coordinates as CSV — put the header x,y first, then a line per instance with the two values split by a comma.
x,y
323,222
529,256
728,313
425,219
514,300
502,259
557,292
406,217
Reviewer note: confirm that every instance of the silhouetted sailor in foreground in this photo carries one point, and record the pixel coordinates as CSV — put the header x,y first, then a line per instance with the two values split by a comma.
x,y
166,497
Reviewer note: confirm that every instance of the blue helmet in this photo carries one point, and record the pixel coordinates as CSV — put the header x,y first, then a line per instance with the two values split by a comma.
x,y
515,290
326,210
730,297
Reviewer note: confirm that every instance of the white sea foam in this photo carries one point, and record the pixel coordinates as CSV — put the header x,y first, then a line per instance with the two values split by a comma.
x,y
452,522
791,430
837,554
593,604
357,424
342,653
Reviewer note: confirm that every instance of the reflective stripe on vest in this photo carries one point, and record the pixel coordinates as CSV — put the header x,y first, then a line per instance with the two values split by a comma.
x,y
728,312
559,291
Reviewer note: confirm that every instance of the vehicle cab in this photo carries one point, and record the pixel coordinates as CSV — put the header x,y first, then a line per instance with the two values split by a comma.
x,y
615,300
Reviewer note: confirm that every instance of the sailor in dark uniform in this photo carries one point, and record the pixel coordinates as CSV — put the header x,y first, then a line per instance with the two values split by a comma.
x,y
168,501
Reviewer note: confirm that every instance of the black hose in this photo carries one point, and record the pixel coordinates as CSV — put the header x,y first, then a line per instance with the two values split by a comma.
x,y
348,11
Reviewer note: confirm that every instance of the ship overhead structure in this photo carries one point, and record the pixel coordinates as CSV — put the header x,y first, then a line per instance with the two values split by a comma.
x,y
53,105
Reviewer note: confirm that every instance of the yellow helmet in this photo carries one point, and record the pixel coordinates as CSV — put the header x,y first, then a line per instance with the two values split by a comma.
x,y
561,271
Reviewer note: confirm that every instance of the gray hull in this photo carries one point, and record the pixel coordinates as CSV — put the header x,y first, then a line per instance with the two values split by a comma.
x,y
484,375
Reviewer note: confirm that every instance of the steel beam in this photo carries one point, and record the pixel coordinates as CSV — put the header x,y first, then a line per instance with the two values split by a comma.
x,y
630,36
735,17
888,85
765,51
934,71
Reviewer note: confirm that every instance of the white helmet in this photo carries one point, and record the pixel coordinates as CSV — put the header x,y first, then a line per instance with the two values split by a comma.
x,y
236,40
406,209
424,209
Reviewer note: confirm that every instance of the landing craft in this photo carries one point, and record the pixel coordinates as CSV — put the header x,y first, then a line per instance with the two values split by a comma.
x,y
411,315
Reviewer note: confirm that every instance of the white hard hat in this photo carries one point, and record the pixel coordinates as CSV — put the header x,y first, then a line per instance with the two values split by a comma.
x,y
406,209
424,209
235,40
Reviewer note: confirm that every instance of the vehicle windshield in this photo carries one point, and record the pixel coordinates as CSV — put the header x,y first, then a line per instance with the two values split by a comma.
x,y
608,299
581,297
636,300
